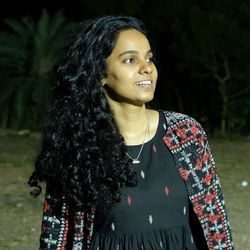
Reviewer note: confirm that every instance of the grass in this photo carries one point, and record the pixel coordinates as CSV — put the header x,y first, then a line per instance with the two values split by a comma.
x,y
21,214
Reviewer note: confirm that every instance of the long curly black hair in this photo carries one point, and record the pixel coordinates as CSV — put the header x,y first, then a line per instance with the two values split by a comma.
x,y
83,154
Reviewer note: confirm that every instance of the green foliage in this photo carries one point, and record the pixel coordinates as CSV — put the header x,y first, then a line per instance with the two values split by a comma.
x,y
29,51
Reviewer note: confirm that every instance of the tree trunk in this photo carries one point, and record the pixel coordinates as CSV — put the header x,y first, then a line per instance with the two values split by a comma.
x,y
223,88
4,120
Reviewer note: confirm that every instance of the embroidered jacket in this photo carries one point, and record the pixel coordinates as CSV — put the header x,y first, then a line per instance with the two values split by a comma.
x,y
188,143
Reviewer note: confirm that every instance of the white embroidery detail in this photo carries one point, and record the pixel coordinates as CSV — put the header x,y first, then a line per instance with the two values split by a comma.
x,y
77,246
192,239
160,244
142,174
184,210
113,226
164,126
150,219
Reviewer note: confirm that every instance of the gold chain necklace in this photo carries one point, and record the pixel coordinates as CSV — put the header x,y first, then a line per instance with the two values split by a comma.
x,y
136,160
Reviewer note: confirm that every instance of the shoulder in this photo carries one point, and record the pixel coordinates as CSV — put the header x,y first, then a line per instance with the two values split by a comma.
x,y
179,119
184,128
185,135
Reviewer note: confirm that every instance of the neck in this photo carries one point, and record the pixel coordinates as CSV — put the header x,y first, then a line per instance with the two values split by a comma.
x,y
131,120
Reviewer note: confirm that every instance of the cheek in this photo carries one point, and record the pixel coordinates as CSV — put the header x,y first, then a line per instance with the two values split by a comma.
x,y
111,80
156,76
121,77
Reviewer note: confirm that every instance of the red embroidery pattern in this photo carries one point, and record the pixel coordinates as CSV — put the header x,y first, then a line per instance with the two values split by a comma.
x,y
129,200
166,190
184,173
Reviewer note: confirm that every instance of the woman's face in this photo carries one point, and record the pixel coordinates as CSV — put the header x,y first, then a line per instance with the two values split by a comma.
x,y
131,75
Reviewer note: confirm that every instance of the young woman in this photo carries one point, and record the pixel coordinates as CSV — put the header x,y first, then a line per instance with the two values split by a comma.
x,y
119,175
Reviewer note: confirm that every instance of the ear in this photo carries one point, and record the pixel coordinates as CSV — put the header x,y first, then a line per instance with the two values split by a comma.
x,y
103,82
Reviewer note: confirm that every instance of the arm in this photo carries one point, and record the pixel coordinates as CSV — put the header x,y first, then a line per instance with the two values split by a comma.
x,y
219,231
55,223
188,143
64,228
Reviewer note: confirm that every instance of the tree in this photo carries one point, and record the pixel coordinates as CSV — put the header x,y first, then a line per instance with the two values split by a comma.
x,y
29,51
213,47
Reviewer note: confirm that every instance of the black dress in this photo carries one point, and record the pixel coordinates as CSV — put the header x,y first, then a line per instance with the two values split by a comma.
x,y
155,213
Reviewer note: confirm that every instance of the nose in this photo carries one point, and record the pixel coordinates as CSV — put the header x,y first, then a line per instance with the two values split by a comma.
x,y
146,68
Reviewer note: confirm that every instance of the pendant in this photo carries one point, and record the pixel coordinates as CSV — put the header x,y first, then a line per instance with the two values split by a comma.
x,y
136,161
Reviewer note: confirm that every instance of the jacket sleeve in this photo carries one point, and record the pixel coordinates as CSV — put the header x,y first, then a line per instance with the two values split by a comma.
x,y
55,223
218,230
188,143
64,227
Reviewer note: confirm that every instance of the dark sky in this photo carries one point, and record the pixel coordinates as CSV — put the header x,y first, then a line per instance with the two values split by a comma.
x,y
16,9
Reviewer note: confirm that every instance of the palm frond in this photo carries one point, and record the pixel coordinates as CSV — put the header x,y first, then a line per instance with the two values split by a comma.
x,y
28,53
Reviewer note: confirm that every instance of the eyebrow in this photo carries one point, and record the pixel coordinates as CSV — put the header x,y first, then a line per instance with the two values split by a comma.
x,y
133,52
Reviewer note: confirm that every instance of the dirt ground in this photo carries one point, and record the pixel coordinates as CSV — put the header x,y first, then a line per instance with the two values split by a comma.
x,y
21,214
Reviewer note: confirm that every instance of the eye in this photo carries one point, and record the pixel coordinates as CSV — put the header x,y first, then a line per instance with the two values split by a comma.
x,y
129,60
151,59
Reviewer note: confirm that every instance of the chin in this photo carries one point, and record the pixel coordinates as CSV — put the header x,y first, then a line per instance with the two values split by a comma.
x,y
145,100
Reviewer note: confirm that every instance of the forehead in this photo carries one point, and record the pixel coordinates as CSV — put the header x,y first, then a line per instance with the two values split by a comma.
x,y
131,40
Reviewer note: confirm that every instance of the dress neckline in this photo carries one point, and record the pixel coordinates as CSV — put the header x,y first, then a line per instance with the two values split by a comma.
x,y
157,132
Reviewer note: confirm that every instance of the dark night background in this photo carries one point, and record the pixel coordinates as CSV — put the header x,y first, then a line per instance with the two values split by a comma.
x,y
17,9
202,50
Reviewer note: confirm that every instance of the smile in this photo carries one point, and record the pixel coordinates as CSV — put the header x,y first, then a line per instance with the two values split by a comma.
x,y
144,83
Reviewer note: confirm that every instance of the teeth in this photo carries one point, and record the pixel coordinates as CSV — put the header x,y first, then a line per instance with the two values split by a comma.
x,y
143,83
